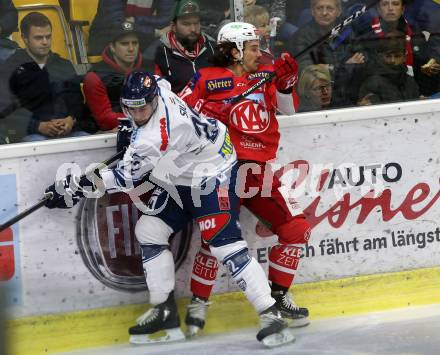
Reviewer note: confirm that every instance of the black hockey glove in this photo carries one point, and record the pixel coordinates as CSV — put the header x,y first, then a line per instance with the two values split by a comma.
x,y
68,192
125,129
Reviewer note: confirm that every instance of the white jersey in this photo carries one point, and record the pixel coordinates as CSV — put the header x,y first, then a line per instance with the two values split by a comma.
x,y
176,145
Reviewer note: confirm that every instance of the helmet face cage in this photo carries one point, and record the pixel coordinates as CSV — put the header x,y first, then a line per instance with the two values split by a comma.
x,y
238,33
139,90
126,110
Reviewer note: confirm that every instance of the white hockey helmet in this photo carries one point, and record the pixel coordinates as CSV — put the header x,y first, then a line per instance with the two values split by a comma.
x,y
238,33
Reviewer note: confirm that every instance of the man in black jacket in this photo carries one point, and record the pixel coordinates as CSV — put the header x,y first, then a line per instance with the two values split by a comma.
x,y
341,57
42,82
184,49
326,14
8,24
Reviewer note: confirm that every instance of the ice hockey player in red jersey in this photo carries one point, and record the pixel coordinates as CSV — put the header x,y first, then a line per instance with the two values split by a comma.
x,y
254,132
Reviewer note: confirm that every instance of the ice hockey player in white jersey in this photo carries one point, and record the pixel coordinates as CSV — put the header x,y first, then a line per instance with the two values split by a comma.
x,y
193,164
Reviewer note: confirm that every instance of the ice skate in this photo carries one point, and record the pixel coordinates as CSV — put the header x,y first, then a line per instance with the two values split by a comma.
x,y
274,330
295,316
162,318
195,316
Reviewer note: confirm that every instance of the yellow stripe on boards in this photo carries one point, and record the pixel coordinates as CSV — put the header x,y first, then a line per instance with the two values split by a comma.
x,y
108,326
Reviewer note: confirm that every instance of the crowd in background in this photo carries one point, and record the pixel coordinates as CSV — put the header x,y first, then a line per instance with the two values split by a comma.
x,y
390,54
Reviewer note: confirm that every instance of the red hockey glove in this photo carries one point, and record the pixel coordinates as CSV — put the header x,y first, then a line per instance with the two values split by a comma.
x,y
214,109
286,72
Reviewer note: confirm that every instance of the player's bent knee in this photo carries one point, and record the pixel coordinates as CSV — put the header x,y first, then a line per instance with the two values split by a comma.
x,y
152,230
158,265
151,251
297,231
235,256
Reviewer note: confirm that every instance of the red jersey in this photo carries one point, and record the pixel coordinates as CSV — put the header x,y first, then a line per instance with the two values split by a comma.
x,y
253,126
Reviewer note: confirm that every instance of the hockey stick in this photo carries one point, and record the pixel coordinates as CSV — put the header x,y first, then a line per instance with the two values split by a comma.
x,y
333,33
48,196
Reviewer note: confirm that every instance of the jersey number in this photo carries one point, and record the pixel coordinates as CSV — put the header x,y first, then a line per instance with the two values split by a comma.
x,y
208,128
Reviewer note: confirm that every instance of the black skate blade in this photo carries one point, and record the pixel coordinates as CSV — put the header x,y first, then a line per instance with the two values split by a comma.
x,y
285,336
163,336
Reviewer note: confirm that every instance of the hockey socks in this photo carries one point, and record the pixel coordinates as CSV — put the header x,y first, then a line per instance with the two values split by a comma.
x,y
246,272
204,272
158,265
283,263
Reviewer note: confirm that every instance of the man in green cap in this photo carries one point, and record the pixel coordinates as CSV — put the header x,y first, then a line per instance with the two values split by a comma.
x,y
184,49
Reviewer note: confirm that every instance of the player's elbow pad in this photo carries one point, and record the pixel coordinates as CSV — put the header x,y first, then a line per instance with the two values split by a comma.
x,y
285,104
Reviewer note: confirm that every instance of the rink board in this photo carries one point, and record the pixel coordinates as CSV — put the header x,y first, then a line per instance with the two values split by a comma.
x,y
59,286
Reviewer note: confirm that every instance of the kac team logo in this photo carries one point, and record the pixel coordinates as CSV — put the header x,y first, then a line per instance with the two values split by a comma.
x,y
250,117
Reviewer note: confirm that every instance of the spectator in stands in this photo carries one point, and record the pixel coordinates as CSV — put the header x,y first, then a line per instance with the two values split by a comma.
x,y
8,24
276,8
151,18
391,18
388,80
259,17
43,83
277,13
325,14
103,82
315,89
213,15
296,11
425,15
184,49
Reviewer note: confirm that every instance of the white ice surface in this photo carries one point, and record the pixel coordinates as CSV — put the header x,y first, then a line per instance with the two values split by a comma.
x,y
412,330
